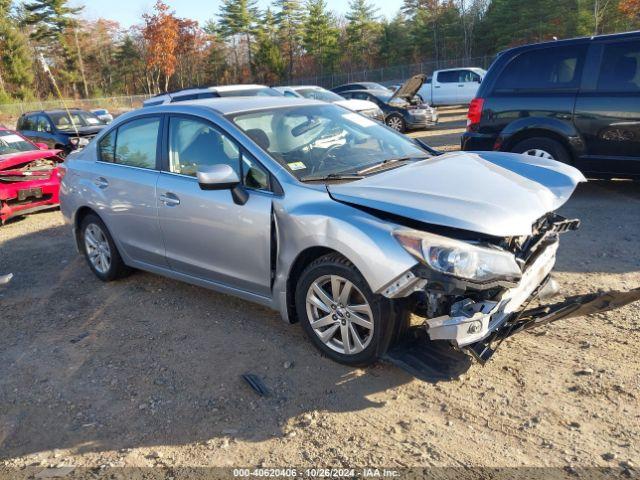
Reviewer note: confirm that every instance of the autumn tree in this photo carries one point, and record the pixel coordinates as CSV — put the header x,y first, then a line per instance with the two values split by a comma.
x,y
630,8
160,32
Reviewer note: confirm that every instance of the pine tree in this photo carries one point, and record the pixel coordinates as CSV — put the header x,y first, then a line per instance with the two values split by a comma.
x,y
239,17
290,18
16,74
321,36
363,30
270,65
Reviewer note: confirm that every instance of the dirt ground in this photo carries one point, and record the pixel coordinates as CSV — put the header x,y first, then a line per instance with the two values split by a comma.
x,y
146,371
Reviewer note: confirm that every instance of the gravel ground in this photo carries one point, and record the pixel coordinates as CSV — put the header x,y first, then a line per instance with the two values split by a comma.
x,y
146,371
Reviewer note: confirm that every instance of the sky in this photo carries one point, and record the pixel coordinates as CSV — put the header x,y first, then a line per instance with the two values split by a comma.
x,y
128,12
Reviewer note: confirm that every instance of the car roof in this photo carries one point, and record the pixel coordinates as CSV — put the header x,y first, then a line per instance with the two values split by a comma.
x,y
226,105
58,110
574,41
378,91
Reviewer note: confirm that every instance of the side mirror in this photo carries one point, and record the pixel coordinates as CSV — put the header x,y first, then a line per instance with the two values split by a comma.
x,y
222,177
42,146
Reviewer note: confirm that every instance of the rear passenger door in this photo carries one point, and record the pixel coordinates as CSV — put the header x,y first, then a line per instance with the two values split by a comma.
x,y
608,109
445,88
124,181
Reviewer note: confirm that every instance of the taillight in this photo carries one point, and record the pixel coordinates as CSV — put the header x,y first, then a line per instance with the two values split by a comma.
x,y
475,111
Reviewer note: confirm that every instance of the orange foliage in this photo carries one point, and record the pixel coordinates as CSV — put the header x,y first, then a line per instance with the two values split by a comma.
x,y
161,32
630,8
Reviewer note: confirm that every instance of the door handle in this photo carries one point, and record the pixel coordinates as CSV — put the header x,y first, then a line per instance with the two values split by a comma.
x,y
460,86
101,182
169,199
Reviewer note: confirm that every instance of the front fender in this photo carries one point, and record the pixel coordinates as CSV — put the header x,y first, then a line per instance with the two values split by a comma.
x,y
363,239
539,126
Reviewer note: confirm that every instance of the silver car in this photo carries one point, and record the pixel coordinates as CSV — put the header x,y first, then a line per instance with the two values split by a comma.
x,y
334,220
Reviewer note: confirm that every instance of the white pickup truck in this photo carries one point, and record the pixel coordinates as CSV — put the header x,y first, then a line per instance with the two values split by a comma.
x,y
454,86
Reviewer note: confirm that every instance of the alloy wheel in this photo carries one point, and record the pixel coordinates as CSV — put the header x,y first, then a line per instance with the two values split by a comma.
x,y
395,123
339,314
536,152
97,248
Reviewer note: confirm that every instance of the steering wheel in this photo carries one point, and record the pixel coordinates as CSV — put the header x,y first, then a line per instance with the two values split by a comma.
x,y
328,153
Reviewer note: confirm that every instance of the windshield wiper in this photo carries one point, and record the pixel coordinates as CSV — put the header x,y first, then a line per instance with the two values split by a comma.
x,y
331,176
388,162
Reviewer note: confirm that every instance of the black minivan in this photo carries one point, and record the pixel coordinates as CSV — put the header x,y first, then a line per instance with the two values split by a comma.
x,y
576,101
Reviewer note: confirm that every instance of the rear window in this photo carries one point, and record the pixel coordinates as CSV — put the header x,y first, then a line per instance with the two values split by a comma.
x,y
620,69
543,69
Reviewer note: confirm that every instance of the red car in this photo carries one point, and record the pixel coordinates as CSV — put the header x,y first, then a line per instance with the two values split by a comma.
x,y
29,176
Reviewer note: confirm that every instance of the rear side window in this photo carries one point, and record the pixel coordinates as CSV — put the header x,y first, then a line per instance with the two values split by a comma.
x,y
620,68
134,144
452,76
543,69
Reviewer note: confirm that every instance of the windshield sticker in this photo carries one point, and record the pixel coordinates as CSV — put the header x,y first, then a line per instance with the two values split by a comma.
x,y
93,121
296,166
359,119
12,138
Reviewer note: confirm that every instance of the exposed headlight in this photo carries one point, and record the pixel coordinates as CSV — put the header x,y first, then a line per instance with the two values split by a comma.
x,y
459,259
74,141
373,113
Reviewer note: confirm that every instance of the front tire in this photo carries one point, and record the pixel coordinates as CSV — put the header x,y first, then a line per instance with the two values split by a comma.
x,y
396,122
100,250
343,318
543,147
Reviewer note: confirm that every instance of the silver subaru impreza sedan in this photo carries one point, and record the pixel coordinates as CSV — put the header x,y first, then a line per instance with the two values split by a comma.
x,y
332,219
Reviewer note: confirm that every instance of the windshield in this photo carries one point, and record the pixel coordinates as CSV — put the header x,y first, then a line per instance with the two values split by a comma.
x,y
322,140
65,121
251,92
319,94
13,143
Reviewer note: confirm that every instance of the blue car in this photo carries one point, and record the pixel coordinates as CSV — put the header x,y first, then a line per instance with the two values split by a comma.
x,y
60,129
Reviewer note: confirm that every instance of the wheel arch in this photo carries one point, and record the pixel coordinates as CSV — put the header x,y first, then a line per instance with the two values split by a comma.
x,y
556,130
301,262
80,214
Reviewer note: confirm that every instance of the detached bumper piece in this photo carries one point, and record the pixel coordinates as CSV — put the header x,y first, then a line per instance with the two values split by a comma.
x,y
571,307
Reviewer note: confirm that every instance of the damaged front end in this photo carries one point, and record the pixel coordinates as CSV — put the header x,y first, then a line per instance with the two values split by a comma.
x,y
477,316
29,182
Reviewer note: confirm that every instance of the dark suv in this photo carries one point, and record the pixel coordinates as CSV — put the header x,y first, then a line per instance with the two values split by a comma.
x,y
576,101
60,129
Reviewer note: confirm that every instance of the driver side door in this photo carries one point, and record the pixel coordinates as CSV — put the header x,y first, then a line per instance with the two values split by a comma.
x,y
207,234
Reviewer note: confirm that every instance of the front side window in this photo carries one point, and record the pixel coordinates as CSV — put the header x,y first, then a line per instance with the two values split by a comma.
x,y
543,69
324,139
137,143
620,69
42,124
467,76
319,94
193,143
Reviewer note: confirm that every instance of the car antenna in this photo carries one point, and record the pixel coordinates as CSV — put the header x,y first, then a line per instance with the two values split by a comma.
x,y
47,70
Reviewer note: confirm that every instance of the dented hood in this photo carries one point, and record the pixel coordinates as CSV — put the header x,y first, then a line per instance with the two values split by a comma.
x,y
492,193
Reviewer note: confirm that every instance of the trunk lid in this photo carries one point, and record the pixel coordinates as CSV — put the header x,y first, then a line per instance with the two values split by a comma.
x,y
492,193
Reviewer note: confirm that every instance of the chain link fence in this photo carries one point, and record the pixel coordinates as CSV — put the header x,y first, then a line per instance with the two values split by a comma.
x,y
394,74
115,105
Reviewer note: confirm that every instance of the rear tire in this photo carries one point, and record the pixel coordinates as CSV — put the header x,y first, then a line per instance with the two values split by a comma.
x,y
333,300
100,250
543,147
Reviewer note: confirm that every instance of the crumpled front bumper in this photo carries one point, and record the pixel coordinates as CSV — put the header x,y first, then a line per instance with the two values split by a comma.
x,y
479,328
475,321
